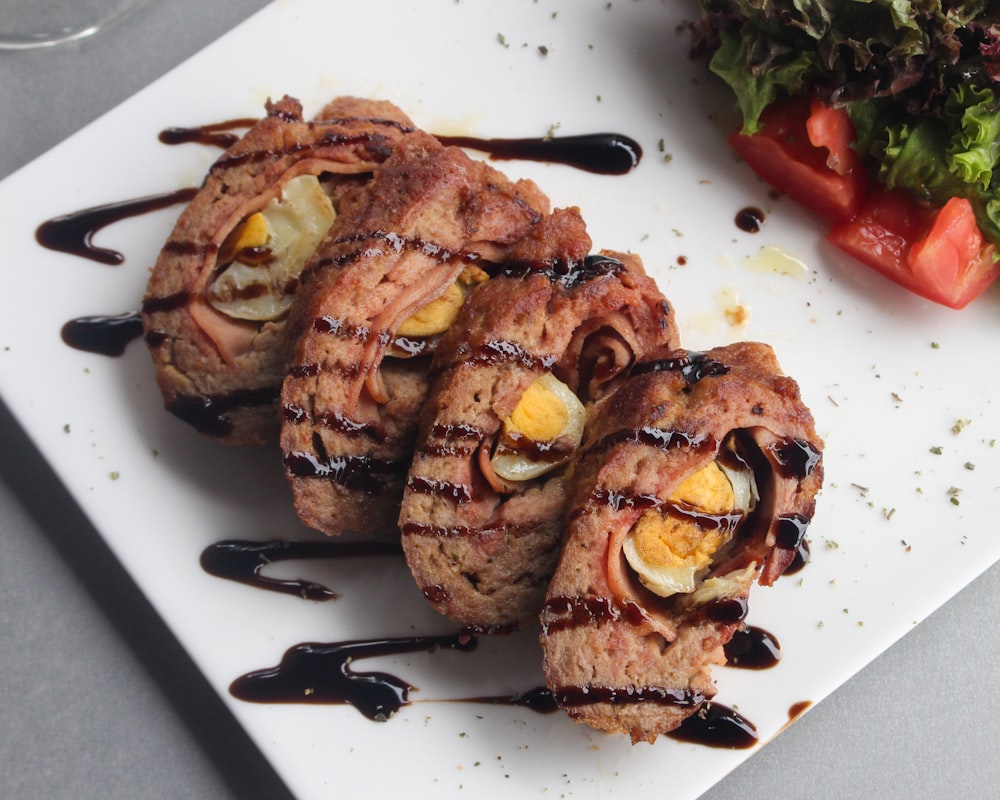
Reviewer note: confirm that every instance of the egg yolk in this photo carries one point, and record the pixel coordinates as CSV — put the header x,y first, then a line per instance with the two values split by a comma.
x,y
667,551
547,412
439,314
540,415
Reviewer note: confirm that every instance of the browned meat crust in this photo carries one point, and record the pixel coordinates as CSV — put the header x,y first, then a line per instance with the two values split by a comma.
x,y
349,411
616,656
482,549
221,374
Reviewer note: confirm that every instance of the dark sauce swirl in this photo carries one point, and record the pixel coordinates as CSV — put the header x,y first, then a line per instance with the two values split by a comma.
x,y
104,335
716,725
244,561
216,134
324,674
752,648
73,233
362,472
601,153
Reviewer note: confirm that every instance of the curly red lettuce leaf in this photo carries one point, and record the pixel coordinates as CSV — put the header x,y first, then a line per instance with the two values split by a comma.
x,y
846,50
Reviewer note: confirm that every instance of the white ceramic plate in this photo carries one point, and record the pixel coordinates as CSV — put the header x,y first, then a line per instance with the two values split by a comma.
x,y
898,386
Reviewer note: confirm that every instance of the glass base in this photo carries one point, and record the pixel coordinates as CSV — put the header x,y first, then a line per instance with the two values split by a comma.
x,y
30,24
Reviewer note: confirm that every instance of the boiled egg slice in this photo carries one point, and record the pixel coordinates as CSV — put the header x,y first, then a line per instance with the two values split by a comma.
x,y
667,551
271,247
439,314
543,431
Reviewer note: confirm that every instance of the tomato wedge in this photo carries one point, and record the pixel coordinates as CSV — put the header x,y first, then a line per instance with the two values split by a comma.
x,y
939,254
803,149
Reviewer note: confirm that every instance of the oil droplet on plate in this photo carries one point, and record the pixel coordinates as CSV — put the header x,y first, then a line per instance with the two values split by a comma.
x,y
774,260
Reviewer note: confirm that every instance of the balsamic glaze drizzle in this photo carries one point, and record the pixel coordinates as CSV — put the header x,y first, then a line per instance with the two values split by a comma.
x,y
752,648
601,153
323,674
716,725
73,233
243,561
105,335
216,134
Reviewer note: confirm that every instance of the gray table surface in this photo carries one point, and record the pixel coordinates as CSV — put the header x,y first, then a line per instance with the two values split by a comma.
x,y
98,700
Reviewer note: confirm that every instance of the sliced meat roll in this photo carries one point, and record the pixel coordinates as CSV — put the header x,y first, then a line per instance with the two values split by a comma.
x,y
216,304
699,475
482,512
385,285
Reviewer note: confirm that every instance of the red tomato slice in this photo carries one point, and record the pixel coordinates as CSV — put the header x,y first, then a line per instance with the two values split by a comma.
x,y
952,264
939,254
803,150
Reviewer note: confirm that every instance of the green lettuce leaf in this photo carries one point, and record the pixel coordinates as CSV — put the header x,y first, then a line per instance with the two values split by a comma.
x,y
786,76
975,140
937,158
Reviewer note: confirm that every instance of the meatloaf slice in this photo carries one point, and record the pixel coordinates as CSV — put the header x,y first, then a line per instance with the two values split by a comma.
x,y
699,475
398,251
482,511
215,308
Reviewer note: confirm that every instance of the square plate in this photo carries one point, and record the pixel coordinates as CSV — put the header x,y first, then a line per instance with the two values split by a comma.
x,y
896,385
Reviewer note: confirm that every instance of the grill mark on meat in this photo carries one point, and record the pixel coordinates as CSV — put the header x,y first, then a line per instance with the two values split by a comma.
x,y
375,147
543,452
570,696
693,367
362,473
337,327
380,121
567,273
440,450
462,531
562,612
334,421
503,351
457,431
456,492
304,370
451,441
188,247
664,439
210,414
348,371
396,242
167,302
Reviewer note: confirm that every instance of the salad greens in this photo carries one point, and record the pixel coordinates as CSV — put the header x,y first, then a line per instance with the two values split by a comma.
x,y
920,80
